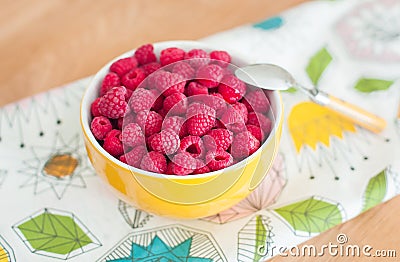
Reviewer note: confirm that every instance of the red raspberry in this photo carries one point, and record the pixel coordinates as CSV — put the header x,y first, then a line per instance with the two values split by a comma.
x,y
141,99
171,55
257,101
218,159
209,75
154,162
218,138
112,143
166,142
169,83
133,78
145,54
132,135
94,107
231,88
184,69
200,119
192,145
203,169
123,66
195,88
243,145
222,57
177,124
151,68
260,120
256,132
183,164
134,157
177,102
110,80
216,101
235,117
100,126
113,104
128,118
149,121
198,58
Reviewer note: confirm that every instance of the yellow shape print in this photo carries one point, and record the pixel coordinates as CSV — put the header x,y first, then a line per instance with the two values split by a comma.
x,y
3,255
310,124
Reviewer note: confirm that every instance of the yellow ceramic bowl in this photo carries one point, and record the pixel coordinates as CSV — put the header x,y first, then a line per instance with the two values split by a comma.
x,y
191,196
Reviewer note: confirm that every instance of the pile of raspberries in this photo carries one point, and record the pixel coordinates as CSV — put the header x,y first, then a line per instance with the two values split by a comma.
x,y
182,114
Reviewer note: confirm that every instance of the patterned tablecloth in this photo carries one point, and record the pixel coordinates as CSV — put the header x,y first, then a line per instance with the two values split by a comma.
x,y
53,206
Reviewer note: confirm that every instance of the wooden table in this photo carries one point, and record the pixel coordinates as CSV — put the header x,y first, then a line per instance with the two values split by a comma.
x,y
47,43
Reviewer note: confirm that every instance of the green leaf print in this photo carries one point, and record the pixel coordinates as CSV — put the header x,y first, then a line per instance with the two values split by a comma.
x,y
318,64
375,191
368,85
312,215
261,237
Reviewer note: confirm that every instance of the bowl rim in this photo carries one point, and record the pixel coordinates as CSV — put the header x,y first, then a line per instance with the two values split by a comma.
x,y
85,105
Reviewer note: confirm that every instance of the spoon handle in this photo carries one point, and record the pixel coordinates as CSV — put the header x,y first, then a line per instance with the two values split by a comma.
x,y
352,112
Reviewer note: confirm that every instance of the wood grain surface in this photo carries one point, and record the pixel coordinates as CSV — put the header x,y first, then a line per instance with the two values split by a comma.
x,y
46,43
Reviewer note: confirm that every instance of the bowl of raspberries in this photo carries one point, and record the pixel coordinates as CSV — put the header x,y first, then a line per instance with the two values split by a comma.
x,y
174,132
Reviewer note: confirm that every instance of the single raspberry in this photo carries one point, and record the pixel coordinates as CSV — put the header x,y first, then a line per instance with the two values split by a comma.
x,y
159,102
149,121
133,78
112,143
132,135
141,99
244,144
100,126
202,170
123,66
134,157
94,107
184,164
209,75
169,83
177,124
197,58
218,138
184,69
231,88
145,54
260,120
216,101
256,132
200,119
166,142
151,68
113,104
257,101
110,80
221,58
176,102
235,117
195,88
171,55
149,139
192,145
154,162
218,159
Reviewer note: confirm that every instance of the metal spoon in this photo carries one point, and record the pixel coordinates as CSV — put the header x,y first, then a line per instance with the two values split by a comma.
x,y
274,77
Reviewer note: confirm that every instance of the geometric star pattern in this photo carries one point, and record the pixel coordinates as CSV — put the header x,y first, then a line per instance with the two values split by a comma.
x,y
170,243
56,168
134,217
55,233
